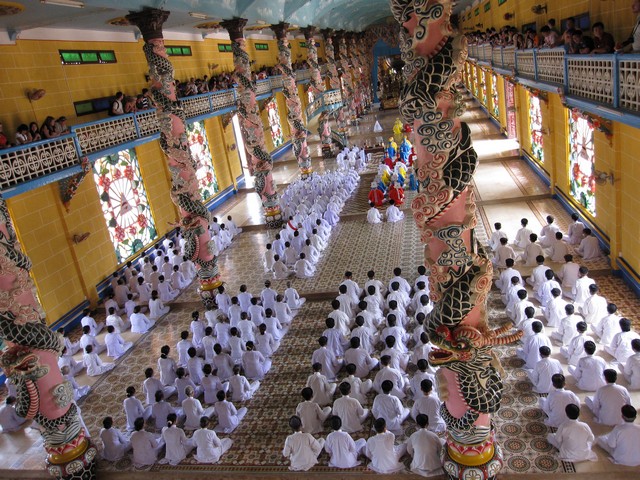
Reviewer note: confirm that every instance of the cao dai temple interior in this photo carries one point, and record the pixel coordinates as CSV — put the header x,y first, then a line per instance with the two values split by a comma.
x,y
133,130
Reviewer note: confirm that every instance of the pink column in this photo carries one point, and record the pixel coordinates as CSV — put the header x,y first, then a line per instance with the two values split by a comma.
x,y
330,48
348,92
316,83
194,216
294,107
260,161
30,360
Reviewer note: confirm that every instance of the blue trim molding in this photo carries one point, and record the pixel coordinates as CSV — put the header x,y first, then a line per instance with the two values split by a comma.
x,y
241,181
71,319
537,168
220,198
628,275
281,150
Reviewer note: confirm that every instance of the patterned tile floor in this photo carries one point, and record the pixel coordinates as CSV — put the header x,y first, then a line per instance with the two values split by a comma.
x,y
356,246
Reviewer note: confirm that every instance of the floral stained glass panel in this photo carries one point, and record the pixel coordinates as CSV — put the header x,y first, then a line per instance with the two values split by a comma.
x,y
483,87
494,95
125,205
201,154
535,128
582,180
274,123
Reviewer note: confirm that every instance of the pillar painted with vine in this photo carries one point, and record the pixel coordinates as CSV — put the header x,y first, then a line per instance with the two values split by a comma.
x,y
294,106
470,374
194,216
345,65
259,159
316,84
356,68
330,47
364,59
30,359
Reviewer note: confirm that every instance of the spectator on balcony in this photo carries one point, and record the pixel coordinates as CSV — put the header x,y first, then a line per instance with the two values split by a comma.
x,y
4,141
580,44
129,105
35,132
530,38
117,108
569,26
61,126
552,25
48,128
633,42
22,135
142,102
603,42
551,38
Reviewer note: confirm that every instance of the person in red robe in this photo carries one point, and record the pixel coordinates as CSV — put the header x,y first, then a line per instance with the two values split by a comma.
x,y
389,162
376,196
412,156
396,193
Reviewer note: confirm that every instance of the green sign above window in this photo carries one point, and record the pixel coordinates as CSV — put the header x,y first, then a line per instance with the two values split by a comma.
x,y
261,46
225,47
80,57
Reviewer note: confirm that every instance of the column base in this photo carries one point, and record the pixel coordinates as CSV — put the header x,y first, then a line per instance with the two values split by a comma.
x,y
76,461
273,217
306,172
484,466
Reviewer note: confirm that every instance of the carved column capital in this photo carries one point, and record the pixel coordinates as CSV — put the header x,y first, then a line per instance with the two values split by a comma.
x,y
309,31
235,27
281,30
327,34
149,21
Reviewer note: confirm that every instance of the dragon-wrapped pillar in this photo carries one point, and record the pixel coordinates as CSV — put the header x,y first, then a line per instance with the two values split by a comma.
x,y
294,106
332,73
316,83
469,378
194,216
30,359
259,159
347,91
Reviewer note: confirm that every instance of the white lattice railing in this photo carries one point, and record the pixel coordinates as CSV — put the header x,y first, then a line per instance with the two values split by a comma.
x,y
526,65
275,82
103,134
485,52
196,105
327,101
629,82
222,99
147,122
262,87
591,77
303,74
550,65
35,160
496,56
509,57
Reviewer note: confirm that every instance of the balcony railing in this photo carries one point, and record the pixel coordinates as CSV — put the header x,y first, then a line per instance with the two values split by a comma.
x,y
607,80
25,163
325,102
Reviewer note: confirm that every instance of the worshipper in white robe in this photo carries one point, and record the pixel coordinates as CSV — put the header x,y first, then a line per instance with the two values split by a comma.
x,y
146,445
496,235
182,347
381,449
608,400
116,346
292,298
389,407
265,343
94,364
228,416
428,404
178,445
373,214
424,372
360,358
569,274
327,359
632,367
349,410
116,320
222,363
303,268
212,384
530,351
503,252
342,449
589,371
269,259
537,274
504,280
133,408
166,293
559,248
393,213
573,439
193,410
310,413
78,391
282,311
89,340
280,270
166,366
620,346
608,325
580,292
425,448
114,443
522,235
575,350
323,390
544,290
544,370
554,311
234,230
301,448
10,421
188,269
387,372
223,300
67,360
182,383
209,448
140,323
151,385
554,404
156,307
548,232
623,442
595,306
575,230
531,251
177,279
88,320
567,328
589,248
254,363
241,389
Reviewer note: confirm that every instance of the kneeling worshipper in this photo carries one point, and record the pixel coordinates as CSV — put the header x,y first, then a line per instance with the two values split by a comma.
x,y
342,449
301,448
573,439
393,213
396,193
373,214
623,442
209,448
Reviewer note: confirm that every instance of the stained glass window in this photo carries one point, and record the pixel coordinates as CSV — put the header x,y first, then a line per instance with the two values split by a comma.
x,y
535,128
494,95
582,180
474,83
274,123
124,203
483,87
199,146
